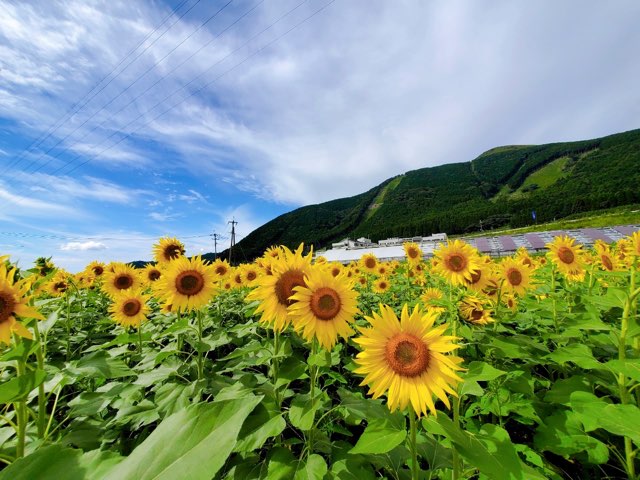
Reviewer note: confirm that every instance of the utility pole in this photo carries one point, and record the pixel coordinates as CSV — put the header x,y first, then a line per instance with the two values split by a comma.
x,y
216,237
233,238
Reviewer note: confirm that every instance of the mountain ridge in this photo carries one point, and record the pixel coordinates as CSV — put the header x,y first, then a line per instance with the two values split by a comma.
x,y
455,197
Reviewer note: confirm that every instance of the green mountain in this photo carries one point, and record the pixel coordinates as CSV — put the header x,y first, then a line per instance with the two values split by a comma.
x,y
499,188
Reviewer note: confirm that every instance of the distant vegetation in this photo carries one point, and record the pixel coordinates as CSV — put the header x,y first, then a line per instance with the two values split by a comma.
x,y
500,188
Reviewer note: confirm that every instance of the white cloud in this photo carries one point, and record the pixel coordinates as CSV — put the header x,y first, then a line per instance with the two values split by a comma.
x,y
163,217
83,246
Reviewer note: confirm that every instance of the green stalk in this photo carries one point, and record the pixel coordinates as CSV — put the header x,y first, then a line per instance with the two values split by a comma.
x,y
456,420
21,416
68,324
413,444
622,384
200,360
553,299
41,394
313,374
140,338
275,365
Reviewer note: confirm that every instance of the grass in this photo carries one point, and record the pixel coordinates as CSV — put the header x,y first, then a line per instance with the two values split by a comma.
x,y
542,178
380,197
629,214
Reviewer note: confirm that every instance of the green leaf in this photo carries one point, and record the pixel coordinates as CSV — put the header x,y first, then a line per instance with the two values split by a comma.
x,y
258,427
54,461
282,464
491,450
100,365
562,434
315,468
19,387
193,443
291,369
561,391
629,367
380,436
577,353
302,411
482,371
623,420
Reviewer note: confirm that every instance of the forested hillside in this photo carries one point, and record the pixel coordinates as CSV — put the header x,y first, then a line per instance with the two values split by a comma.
x,y
455,198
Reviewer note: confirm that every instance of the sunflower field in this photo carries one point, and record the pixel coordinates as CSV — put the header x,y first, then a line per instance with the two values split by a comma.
x,y
458,366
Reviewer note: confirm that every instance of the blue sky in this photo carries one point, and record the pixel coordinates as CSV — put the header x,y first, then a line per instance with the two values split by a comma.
x,y
249,109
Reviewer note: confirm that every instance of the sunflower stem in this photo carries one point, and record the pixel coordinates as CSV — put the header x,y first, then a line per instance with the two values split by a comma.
x,y
21,415
41,394
413,444
199,351
140,339
68,325
313,374
275,365
553,299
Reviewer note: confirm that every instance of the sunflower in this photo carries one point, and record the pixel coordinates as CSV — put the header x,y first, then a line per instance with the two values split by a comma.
x,y
44,265
523,254
381,285
567,256
273,252
167,249
151,273
13,301
516,276
429,296
605,257
129,308
95,268
250,274
320,260
324,308
362,280
120,277
58,284
456,261
383,269
335,268
475,309
187,284
369,261
511,302
274,291
635,244
479,278
221,268
412,252
236,277
406,358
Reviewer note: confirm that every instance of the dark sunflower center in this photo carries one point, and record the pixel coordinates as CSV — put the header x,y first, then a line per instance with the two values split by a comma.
x,y
238,279
325,303
475,277
131,307
60,287
456,262
154,275
98,271
606,262
413,253
124,281
407,355
383,285
335,272
221,270
7,304
476,314
286,283
514,276
172,252
527,261
566,255
370,262
189,283
251,275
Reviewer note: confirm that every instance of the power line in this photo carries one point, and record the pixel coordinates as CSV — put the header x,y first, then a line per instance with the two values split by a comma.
x,y
71,110
86,120
137,97
203,87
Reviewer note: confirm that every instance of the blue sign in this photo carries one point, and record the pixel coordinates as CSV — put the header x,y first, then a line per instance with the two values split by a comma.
x,y
533,214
